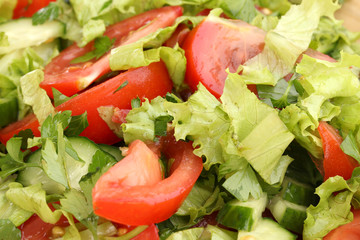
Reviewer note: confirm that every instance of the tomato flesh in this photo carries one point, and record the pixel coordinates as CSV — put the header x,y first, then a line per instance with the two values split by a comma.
x,y
335,162
71,78
213,46
144,82
149,203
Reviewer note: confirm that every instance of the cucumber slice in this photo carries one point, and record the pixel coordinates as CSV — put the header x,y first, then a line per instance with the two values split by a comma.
x,y
114,151
242,215
289,215
21,33
297,192
32,175
84,147
267,229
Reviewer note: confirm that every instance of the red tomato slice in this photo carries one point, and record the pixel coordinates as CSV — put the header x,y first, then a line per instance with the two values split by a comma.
x,y
336,162
27,8
70,78
144,82
215,45
153,202
350,231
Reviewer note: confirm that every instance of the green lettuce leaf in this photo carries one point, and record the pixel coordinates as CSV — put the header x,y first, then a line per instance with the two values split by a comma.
x,y
8,230
201,119
35,96
299,123
204,198
140,122
333,209
6,9
32,199
8,210
134,54
259,134
291,37
331,37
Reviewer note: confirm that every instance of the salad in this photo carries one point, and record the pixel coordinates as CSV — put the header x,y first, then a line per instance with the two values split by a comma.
x,y
178,119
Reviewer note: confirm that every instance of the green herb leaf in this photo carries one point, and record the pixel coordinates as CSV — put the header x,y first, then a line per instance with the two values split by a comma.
x,y
100,160
135,103
76,204
160,125
49,127
60,98
8,230
101,46
121,86
48,13
77,124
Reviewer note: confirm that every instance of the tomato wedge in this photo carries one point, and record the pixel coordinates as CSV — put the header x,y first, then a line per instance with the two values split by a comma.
x,y
27,8
349,231
217,44
71,78
144,82
336,162
214,45
148,202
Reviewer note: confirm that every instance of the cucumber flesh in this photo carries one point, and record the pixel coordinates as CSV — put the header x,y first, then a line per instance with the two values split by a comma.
x,y
21,33
242,215
297,192
114,151
289,215
267,229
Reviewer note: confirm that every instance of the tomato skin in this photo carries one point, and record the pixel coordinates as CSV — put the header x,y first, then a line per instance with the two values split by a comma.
x,y
144,82
27,8
349,231
152,203
70,78
211,47
336,162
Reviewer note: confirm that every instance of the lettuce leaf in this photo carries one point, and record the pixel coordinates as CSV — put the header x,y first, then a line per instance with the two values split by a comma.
x,y
35,96
8,210
333,210
331,37
291,37
6,9
204,198
134,54
32,199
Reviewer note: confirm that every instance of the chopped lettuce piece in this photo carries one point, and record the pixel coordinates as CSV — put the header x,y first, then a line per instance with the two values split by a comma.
x,y
134,54
331,37
36,96
333,209
8,230
204,198
6,9
291,37
8,210
258,133
32,199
